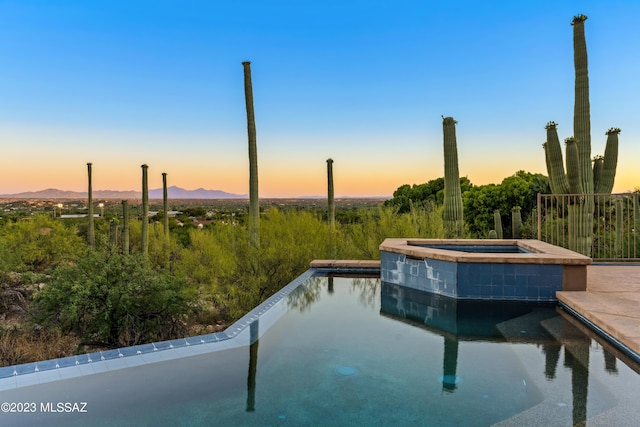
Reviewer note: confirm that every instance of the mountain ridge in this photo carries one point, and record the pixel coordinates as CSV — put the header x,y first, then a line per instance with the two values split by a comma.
x,y
173,192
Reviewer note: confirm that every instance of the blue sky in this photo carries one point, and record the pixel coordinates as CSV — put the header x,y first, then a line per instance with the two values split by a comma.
x,y
121,83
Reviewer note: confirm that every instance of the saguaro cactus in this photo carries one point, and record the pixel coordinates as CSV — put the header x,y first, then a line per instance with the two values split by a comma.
x,y
125,227
165,205
91,234
497,224
254,206
516,223
452,215
145,211
580,178
331,202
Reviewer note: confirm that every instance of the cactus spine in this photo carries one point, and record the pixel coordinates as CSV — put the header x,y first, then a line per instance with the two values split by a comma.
x,y
581,178
331,202
452,215
145,211
254,206
497,224
91,234
125,227
516,223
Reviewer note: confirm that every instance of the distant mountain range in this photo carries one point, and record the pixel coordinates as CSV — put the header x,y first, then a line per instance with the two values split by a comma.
x,y
173,192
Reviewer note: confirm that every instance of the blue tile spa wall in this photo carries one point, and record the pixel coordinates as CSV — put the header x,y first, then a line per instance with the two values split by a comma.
x,y
486,281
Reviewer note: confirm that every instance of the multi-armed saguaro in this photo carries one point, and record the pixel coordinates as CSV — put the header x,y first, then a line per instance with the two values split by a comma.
x,y
452,215
580,178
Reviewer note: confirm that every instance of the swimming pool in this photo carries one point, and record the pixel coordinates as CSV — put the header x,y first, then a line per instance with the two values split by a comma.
x,y
358,351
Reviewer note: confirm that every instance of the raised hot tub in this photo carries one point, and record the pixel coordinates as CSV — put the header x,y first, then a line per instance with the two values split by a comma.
x,y
492,269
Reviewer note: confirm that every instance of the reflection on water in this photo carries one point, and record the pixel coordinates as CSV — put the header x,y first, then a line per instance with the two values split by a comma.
x,y
354,351
310,292
459,320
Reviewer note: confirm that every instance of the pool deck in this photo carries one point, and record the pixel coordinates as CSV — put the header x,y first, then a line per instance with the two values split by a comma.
x,y
610,302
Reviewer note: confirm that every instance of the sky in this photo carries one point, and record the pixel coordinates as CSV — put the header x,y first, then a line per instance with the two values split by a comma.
x,y
122,83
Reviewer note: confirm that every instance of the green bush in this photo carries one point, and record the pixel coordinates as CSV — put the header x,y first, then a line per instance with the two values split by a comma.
x,y
109,299
38,243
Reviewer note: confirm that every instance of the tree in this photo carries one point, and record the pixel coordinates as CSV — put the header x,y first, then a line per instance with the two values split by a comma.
x,y
418,195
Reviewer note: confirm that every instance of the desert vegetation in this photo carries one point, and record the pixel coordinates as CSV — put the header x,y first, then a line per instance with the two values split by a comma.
x,y
61,295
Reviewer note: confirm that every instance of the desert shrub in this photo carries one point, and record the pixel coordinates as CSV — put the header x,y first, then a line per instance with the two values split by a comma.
x,y
38,243
109,299
362,239
24,345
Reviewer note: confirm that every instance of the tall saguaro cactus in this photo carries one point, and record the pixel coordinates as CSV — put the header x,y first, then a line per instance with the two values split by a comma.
x,y
125,227
145,210
516,223
581,178
254,206
452,216
165,205
497,223
331,202
91,234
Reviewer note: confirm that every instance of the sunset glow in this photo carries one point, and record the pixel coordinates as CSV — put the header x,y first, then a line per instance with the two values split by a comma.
x,y
160,83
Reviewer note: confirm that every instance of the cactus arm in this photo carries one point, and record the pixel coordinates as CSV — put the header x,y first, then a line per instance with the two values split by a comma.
x,y
610,163
598,162
573,167
553,154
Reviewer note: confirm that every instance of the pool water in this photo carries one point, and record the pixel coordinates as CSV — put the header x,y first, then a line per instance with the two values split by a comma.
x,y
358,351
492,249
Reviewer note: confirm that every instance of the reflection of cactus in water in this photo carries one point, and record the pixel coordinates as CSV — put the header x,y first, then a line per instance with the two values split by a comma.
x,y
452,214
580,177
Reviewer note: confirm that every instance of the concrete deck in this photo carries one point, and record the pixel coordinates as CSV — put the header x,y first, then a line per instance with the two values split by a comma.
x,y
611,302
